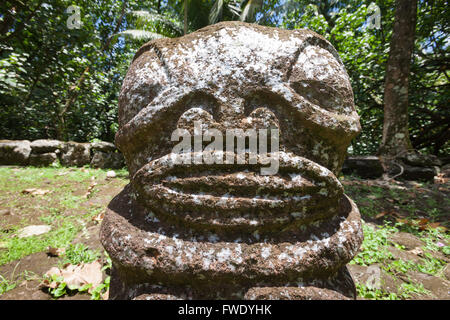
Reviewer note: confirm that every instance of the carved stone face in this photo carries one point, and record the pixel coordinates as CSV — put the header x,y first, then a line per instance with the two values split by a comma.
x,y
225,231
239,76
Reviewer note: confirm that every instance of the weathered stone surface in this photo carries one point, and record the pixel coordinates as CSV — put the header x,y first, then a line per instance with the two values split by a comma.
x,y
438,286
375,277
289,293
45,146
33,231
418,173
363,166
404,255
446,271
445,170
14,152
146,250
408,240
421,160
212,231
43,159
113,160
445,160
75,154
103,146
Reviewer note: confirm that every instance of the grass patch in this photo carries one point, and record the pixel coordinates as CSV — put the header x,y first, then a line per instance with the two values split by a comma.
x,y
406,291
6,285
78,253
21,247
65,208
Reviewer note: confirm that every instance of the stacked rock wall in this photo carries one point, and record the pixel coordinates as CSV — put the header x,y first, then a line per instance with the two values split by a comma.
x,y
44,152
412,166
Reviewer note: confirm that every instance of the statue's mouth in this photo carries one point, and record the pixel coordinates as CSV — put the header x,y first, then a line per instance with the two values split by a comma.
x,y
236,194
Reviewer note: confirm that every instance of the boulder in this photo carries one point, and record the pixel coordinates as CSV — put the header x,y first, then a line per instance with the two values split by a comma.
x,y
445,160
421,160
103,146
438,287
374,276
445,170
110,160
75,154
45,146
43,159
14,152
33,230
408,240
418,173
367,167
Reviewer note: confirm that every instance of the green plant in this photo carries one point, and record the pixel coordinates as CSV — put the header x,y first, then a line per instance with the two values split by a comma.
x,y
97,293
374,293
373,249
62,287
406,289
6,285
78,253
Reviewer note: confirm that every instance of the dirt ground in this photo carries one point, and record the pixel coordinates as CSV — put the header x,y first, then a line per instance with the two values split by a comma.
x,y
405,254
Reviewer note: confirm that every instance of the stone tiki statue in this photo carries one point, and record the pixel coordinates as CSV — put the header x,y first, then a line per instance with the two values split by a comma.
x,y
225,231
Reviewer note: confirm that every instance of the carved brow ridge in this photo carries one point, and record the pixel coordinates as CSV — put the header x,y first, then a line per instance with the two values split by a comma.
x,y
312,39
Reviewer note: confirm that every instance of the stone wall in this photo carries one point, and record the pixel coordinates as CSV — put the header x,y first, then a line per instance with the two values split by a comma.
x,y
413,166
45,152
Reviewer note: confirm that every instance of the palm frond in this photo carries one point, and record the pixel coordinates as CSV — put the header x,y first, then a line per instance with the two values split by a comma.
x,y
250,9
234,8
139,35
216,11
143,18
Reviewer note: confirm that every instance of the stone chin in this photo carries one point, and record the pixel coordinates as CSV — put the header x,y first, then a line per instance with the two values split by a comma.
x,y
187,230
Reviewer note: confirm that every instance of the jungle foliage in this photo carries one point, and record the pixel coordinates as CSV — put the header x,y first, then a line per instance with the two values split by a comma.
x,y
57,82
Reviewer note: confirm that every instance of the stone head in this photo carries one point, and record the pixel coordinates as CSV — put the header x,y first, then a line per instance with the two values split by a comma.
x,y
238,75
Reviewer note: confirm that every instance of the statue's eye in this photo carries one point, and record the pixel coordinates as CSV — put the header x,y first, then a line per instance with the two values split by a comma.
x,y
320,94
188,118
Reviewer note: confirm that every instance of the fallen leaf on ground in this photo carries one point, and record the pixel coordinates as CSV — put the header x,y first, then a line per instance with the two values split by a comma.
x,y
417,251
36,192
99,217
440,179
76,276
390,213
90,189
381,214
423,223
436,225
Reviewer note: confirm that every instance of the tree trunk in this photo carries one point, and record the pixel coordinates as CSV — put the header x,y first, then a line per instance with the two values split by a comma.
x,y
395,141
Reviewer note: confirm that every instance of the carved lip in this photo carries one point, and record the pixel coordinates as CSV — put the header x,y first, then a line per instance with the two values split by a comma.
x,y
233,194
